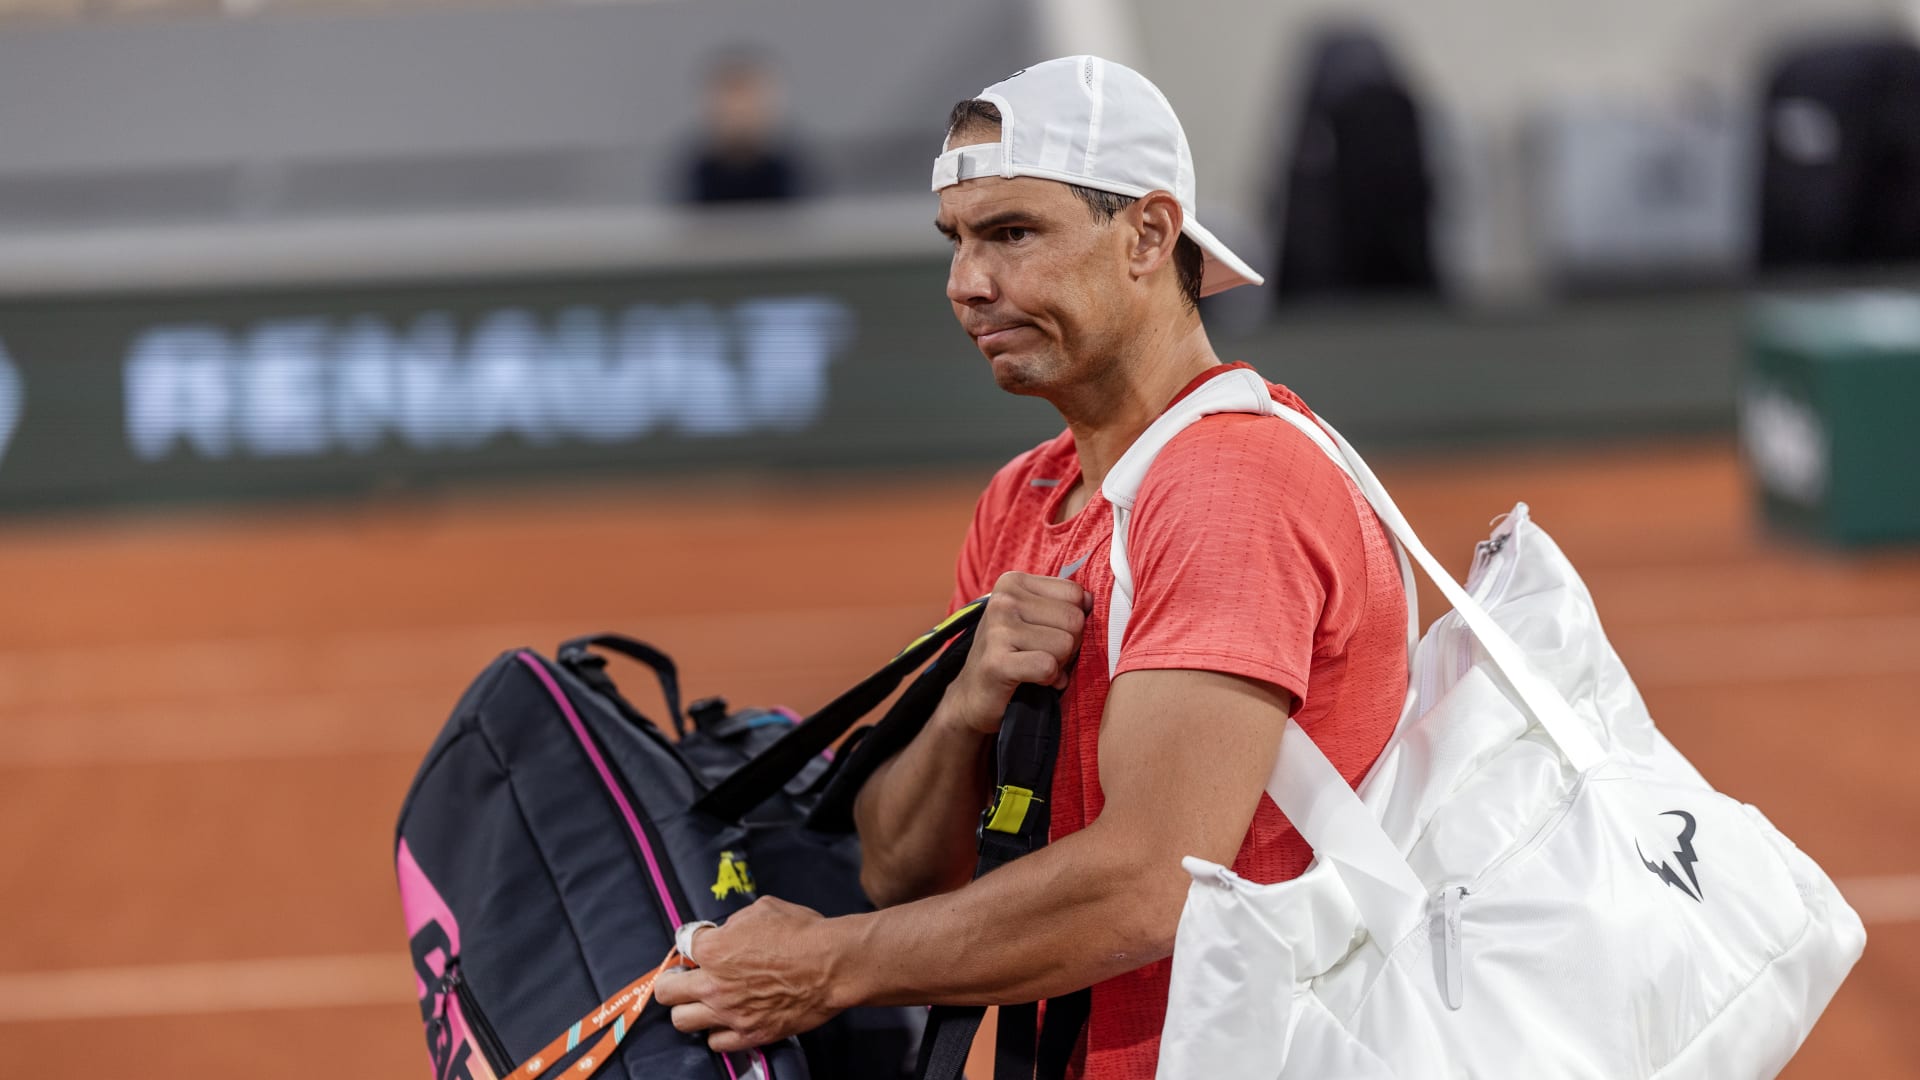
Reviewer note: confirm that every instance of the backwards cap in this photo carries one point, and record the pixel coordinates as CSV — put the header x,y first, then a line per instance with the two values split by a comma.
x,y
1091,122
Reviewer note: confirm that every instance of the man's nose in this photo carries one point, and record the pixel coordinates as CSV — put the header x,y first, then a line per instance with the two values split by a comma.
x,y
968,279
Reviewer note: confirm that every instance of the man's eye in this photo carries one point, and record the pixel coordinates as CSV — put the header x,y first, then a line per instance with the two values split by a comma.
x,y
1015,234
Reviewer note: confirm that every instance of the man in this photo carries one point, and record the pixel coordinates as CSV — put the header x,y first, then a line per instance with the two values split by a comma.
x,y
741,156
1264,586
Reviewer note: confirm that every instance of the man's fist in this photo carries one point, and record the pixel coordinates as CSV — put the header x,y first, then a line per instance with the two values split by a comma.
x,y
1029,634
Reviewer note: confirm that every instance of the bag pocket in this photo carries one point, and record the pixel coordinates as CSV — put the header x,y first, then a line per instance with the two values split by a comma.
x,y
1600,946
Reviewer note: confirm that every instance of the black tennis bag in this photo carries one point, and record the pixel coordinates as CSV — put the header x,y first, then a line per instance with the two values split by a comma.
x,y
555,838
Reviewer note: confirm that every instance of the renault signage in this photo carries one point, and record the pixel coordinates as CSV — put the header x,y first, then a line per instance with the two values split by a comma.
x,y
198,396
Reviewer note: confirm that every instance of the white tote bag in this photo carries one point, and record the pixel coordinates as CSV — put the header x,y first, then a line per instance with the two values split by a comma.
x,y
1531,881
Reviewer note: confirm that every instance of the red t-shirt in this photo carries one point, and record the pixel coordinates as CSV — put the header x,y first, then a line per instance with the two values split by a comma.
x,y
1252,554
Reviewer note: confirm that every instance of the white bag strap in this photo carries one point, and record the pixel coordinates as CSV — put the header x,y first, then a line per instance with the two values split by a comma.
x,y
1238,391
1305,784
1550,710
1245,391
1341,830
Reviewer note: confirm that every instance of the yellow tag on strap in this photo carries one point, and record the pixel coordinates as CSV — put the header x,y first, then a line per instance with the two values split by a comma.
x,y
1010,809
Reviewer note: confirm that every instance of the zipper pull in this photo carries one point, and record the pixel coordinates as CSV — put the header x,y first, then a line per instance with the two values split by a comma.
x,y
1483,553
1453,967
445,989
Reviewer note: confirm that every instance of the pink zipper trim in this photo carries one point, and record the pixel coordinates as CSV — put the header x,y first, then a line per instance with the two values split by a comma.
x,y
606,777
626,811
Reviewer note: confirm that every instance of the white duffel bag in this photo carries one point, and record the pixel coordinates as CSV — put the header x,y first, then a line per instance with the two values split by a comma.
x,y
1530,882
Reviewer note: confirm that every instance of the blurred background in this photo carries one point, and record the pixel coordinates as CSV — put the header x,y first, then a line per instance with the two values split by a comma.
x,y
346,343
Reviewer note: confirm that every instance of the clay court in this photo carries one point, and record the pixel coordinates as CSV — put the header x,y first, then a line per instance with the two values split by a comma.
x,y
207,720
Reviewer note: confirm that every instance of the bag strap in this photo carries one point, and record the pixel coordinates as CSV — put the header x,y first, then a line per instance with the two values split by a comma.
x,y
767,772
1014,824
576,654
870,747
1246,391
1017,823
1546,704
1305,785
1238,391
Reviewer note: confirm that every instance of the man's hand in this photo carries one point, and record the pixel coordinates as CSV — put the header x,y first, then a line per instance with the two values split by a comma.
x,y
768,973
1029,634
918,812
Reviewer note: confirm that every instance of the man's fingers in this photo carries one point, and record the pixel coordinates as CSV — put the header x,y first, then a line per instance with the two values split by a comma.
x,y
725,1041
1034,667
681,987
695,1017
1047,640
1052,615
1051,588
1034,622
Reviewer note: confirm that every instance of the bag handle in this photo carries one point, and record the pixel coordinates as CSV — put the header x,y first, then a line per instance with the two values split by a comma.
x,y
768,772
577,655
872,746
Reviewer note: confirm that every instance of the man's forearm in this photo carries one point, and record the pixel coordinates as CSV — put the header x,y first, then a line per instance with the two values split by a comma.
x,y
1074,913
917,813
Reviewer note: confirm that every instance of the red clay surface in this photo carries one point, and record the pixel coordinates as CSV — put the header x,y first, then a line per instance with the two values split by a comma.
x,y
207,721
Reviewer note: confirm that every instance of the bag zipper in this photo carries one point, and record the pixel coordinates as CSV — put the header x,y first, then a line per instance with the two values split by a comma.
x,y
491,1047
648,843
666,887
1452,896
1453,649
1458,659
1453,967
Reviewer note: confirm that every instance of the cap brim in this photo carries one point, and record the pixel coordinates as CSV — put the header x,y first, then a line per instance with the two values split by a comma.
x,y
1223,269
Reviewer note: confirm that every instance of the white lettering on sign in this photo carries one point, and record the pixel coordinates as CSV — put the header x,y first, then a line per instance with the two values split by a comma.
x,y
282,411
309,386
179,389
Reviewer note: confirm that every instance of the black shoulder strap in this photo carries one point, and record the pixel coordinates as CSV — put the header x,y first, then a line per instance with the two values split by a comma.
x,y
858,760
1017,1055
768,772
1060,1032
1013,825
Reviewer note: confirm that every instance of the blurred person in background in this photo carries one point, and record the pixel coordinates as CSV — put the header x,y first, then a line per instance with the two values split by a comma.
x,y
1264,587
746,152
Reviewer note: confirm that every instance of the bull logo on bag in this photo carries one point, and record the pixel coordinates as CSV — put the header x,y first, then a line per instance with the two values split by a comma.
x,y
1682,853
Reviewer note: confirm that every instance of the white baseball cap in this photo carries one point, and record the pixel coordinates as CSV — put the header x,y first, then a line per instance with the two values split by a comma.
x,y
1087,121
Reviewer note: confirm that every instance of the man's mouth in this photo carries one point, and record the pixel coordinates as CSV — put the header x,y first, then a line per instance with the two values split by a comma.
x,y
997,335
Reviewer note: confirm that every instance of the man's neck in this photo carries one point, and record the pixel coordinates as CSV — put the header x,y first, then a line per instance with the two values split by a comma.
x,y
1106,418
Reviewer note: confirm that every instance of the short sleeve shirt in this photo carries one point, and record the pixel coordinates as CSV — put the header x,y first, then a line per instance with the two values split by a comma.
x,y
1253,555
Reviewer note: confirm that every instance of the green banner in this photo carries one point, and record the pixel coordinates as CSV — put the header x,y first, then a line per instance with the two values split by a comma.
x,y
159,398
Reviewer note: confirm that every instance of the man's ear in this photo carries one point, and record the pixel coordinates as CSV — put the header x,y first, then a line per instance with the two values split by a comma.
x,y
1156,218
